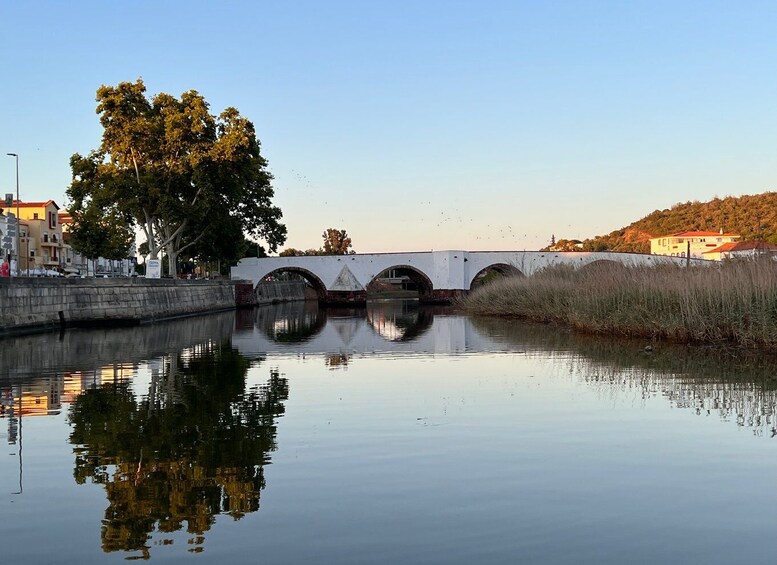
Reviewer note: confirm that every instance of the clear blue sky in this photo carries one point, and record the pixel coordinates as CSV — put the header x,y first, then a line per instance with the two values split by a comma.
x,y
420,124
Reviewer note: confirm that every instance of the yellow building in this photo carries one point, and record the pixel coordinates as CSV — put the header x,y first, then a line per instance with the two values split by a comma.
x,y
40,234
693,243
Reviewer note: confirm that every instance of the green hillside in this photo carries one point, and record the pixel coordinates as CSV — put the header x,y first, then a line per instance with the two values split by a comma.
x,y
752,216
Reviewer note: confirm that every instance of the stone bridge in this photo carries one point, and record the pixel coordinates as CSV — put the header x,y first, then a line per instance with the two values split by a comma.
x,y
439,275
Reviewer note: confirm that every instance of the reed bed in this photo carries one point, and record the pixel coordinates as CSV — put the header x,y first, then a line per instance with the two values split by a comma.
x,y
734,302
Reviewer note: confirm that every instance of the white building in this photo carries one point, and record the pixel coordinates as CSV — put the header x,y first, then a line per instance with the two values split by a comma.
x,y
693,243
7,242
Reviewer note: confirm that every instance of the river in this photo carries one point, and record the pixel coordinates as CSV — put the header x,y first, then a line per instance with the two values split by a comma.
x,y
391,434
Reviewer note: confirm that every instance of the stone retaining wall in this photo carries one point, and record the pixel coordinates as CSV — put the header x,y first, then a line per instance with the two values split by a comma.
x,y
31,304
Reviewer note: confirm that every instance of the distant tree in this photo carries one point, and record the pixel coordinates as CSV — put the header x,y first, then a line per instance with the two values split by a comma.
x,y
252,249
97,232
176,170
292,252
336,242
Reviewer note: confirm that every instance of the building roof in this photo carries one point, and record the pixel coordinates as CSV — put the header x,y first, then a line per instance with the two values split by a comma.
x,y
743,246
697,234
33,204
702,234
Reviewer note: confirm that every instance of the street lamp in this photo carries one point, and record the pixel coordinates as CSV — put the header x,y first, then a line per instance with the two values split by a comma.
x,y
18,219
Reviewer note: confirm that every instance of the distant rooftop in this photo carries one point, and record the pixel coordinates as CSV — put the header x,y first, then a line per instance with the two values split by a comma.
x,y
743,246
33,204
702,234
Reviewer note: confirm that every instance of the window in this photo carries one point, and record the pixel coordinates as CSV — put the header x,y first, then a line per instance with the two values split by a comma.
x,y
52,220
35,216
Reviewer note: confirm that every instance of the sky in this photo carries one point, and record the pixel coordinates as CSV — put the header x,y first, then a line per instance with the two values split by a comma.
x,y
420,125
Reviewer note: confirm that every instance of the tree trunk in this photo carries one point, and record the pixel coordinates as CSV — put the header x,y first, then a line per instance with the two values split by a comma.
x,y
172,259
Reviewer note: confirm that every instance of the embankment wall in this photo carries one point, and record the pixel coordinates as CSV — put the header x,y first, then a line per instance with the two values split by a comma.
x,y
34,304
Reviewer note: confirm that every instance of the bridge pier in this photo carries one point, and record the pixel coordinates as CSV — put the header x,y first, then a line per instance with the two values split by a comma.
x,y
444,296
345,297
359,297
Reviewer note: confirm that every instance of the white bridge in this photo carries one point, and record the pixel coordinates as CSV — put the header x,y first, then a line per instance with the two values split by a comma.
x,y
438,275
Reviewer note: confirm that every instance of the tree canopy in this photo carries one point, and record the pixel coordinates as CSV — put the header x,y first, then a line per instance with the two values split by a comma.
x,y
178,172
336,242
99,233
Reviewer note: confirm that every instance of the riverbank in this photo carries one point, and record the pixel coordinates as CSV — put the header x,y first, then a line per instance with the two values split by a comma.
x,y
731,303
38,304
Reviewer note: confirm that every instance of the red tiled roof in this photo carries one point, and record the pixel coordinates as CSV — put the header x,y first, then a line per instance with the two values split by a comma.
x,y
701,234
33,204
743,246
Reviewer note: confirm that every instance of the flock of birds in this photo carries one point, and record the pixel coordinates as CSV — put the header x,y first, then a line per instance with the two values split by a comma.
x,y
454,218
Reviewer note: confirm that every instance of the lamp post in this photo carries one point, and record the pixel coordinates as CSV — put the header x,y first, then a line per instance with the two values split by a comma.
x,y
18,219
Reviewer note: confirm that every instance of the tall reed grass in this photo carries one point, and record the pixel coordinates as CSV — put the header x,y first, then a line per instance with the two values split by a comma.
x,y
733,302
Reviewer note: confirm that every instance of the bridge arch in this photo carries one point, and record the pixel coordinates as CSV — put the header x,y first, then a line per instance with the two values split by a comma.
x,y
484,275
421,281
311,278
602,266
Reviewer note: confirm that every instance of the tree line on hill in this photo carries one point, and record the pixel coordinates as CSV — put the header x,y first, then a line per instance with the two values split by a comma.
x,y
754,217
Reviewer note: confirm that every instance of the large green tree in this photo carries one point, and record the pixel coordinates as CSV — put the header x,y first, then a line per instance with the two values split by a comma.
x,y
177,171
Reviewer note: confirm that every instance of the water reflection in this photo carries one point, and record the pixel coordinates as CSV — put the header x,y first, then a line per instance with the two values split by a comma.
x,y
165,419
737,385
192,448
91,349
399,320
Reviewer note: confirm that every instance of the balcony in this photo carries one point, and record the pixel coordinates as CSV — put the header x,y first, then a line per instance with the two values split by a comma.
x,y
50,241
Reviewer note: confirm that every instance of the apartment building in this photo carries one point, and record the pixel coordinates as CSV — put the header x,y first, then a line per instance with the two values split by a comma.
x,y
690,243
40,235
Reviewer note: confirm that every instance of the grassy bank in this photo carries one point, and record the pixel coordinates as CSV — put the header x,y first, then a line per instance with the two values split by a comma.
x,y
734,302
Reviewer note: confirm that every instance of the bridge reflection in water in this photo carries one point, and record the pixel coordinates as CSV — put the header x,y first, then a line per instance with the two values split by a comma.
x,y
166,419
740,386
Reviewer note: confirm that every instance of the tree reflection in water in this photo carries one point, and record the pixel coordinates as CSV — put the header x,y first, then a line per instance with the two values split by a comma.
x,y
193,448
736,384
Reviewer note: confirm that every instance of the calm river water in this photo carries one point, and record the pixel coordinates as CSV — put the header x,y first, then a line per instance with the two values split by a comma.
x,y
384,435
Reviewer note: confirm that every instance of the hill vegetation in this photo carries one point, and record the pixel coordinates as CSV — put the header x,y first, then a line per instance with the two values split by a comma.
x,y
751,216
